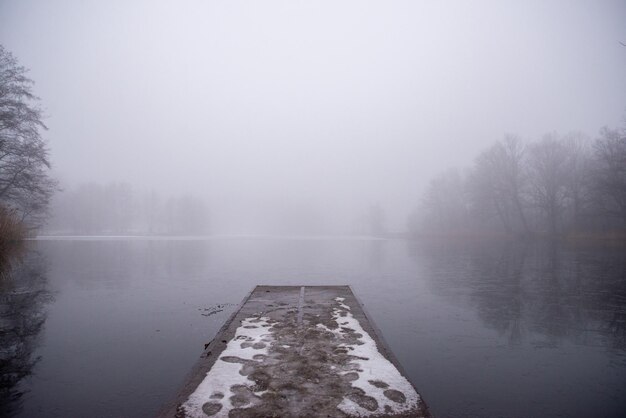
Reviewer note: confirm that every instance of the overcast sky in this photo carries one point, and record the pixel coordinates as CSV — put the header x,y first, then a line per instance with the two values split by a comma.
x,y
336,104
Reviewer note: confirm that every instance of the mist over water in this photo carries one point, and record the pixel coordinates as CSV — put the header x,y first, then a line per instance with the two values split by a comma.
x,y
297,117
479,329
460,165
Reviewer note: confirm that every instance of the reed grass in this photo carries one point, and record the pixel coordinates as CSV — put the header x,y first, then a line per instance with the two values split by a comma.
x,y
12,234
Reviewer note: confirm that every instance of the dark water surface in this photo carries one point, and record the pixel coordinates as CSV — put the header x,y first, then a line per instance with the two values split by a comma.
x,y
109,328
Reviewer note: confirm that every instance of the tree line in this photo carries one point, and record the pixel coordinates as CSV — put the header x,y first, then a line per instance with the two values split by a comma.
x,y
27,188
558,185
116,208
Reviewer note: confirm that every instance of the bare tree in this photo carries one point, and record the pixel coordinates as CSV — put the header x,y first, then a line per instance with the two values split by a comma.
x,y
577,184
25,184
609,175
445,205
497,182
548,168
560,184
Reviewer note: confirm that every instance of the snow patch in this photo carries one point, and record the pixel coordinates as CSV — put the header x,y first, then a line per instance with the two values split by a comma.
x,y
375,388
373,367
216,386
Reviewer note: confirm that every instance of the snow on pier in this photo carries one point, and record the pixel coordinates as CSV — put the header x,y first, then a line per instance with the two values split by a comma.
x,y
293,351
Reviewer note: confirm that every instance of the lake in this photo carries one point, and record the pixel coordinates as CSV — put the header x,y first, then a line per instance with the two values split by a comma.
x,y
110,327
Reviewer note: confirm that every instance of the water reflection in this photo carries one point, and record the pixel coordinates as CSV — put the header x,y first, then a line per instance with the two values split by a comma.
x,y
469,321
23,297
538,293
376,254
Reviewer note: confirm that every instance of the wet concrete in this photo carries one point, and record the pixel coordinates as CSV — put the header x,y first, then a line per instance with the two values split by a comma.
x,y
293,351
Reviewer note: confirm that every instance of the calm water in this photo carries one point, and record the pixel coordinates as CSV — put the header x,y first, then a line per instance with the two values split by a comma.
x,y
109,328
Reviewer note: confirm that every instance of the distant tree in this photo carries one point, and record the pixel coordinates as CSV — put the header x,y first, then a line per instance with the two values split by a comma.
x,y
119,208
577,182
558,185
191,216
497,181
549,163
86,209
609,174
444,205
25,184
150,209
95,208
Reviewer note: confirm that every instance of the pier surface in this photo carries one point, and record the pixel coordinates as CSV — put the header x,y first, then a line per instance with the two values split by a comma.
x,y
292,351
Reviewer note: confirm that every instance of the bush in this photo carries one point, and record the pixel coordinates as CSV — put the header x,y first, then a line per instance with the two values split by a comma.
x,y
12,233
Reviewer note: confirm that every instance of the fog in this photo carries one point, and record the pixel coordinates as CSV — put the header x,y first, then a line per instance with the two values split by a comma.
x,y
300,117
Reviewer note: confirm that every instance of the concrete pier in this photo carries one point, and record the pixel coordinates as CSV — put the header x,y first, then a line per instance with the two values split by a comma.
x,y
297,351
